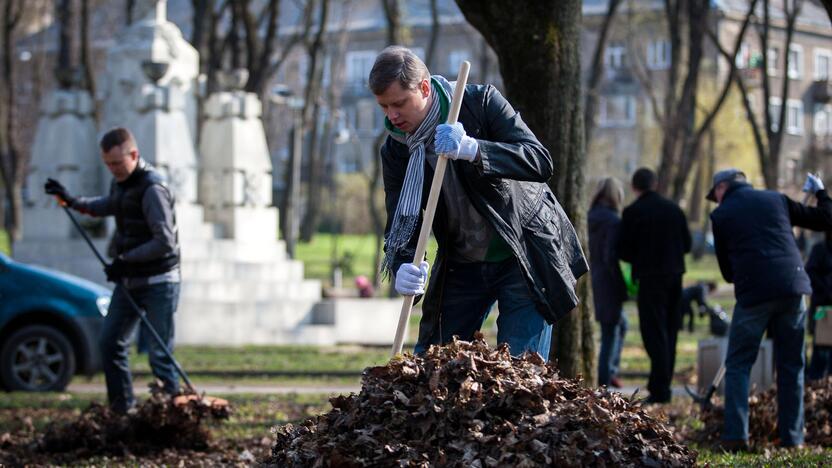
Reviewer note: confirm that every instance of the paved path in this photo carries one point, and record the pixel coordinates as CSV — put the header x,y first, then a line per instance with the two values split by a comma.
x,y
221,388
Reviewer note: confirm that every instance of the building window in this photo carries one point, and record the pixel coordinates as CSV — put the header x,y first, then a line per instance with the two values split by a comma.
x,y
795,61
455,59
773,59
823,119
618,111
774,105
823,64
615,56
359,64
658,55
794,117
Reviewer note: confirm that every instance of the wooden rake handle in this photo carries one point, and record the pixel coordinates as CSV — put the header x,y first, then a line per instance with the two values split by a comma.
x,y
430,210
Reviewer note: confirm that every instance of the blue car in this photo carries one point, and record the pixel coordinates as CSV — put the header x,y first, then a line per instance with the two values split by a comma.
x,y
49,326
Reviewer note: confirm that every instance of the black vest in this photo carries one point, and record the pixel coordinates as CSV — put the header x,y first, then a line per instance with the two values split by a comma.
x,y
132,229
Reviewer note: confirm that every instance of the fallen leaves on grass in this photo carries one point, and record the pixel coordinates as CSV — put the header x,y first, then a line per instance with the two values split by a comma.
x,y
156,425
762,418
466,404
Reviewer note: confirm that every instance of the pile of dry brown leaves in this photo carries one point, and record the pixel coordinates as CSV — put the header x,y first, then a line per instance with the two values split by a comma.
x,y
156,424
762,418
466,404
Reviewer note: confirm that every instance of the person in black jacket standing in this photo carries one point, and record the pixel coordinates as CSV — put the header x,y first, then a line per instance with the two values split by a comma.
x,y
608,289
145,252
757,251
501,233
654,239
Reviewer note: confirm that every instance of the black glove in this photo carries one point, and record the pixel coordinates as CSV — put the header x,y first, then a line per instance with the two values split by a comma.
x,y
115,270
53,187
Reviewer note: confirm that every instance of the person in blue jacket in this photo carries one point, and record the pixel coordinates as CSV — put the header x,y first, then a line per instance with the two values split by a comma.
x,y
757,251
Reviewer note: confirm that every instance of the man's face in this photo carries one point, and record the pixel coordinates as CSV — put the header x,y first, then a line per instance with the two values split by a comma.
x,y
719,191
121,161
405,108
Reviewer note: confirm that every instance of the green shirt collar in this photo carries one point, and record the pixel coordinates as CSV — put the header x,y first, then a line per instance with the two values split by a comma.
x,y
444,104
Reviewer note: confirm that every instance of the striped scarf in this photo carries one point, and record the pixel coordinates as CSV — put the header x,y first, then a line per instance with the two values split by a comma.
x,y
410,198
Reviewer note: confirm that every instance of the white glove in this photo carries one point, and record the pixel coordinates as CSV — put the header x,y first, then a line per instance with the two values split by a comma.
x,y
410,280
813,183
452,142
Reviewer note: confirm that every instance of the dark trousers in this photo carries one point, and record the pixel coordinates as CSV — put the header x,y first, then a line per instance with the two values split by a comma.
x,y
821,364
786,320
159,301
612,342
659,321
468,295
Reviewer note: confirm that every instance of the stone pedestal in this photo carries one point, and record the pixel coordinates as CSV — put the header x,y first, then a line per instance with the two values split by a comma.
x,y
236,171
65,149
152,39
160,126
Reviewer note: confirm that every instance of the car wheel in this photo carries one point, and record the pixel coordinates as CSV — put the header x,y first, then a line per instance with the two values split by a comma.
x,y
37,358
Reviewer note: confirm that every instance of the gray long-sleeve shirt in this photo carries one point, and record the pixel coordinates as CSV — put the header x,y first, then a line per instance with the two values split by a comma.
x,y
157,206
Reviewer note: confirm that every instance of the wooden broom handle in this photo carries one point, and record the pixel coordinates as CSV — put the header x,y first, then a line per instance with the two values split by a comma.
x,y
430,209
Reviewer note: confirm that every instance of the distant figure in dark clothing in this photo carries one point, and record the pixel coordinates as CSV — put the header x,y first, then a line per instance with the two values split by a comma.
x,y
695,294
819,269
654,239
608,288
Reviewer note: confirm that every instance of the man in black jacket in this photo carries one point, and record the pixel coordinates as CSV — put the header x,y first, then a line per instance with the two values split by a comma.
x,y
145,264
502,236
654,239
756,250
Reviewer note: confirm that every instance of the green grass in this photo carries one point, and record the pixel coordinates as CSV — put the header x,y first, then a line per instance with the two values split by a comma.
x,y
273,358
773,458
4,242
356,253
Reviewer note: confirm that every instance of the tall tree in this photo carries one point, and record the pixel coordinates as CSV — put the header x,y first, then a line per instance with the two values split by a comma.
x,y
768,148
538,45
311,114
12,160
596,71
680,109
396,34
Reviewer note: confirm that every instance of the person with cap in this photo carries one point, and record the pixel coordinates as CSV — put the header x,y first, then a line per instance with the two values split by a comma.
x,y
757,251
654,238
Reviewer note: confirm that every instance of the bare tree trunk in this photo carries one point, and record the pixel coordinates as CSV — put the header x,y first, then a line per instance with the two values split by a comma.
x,y
376,212
430,55
596,72
312,103
11,160
768,149
86,56
541,73
65,67
129,8
669,124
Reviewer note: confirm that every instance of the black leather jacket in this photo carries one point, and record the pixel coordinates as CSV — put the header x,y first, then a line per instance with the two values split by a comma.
x,y
508,188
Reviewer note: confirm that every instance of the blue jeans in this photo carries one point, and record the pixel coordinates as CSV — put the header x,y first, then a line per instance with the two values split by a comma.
x,y
612,341
159,302
787,318
468,294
